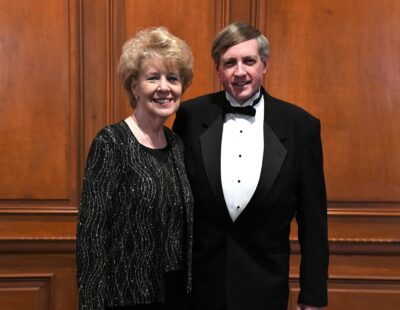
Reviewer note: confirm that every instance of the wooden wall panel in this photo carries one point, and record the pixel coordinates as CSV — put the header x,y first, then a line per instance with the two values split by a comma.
x,y
197,22
193,21
97,75
32,280
360,294
340,60
38,125
39,152
356,280
58,87
25,293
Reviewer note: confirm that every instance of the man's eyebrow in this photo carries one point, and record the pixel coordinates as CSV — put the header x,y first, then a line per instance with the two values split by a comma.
x,y
229,59
250,56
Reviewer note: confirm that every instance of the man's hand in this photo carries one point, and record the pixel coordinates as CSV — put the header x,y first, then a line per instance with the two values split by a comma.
x,y
305,307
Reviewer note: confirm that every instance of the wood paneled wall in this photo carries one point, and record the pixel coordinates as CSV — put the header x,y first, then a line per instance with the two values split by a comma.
x,y
341,61
40,148
338,59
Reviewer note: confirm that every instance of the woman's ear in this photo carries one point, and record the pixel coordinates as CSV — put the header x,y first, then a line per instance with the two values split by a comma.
x,y
133,87
133,90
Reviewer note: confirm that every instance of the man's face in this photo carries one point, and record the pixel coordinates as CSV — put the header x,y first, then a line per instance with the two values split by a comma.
x,y
241,70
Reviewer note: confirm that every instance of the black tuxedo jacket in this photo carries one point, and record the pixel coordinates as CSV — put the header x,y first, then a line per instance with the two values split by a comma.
x,y
245,264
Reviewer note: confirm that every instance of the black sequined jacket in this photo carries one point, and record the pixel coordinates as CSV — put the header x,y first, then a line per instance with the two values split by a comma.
x,y
120,260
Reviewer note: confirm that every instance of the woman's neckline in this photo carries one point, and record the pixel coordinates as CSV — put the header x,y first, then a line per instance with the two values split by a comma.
x,y
143,138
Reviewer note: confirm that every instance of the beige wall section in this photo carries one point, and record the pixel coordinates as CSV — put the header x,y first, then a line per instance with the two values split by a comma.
x,y
58,87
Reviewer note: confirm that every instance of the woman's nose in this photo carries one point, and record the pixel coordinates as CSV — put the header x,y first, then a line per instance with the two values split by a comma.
x,y
163,85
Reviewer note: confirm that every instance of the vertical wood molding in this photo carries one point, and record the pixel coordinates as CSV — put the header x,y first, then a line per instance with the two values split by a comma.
x,y
117,38
221,20
260,15
222,14
228,11
254,8
110,61
76,137
96,53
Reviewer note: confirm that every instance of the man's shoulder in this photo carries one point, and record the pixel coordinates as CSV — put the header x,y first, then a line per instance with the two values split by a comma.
x,y
291,110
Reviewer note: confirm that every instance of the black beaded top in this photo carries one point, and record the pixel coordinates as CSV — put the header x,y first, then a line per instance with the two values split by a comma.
x,y
135,220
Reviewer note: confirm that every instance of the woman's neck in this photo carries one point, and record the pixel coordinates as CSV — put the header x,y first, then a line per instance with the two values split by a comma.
x,y
148,132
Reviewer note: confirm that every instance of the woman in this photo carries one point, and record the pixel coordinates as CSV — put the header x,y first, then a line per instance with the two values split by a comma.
x,y
134,231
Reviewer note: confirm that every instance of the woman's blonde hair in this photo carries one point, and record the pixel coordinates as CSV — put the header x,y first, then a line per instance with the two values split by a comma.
x,y
156,43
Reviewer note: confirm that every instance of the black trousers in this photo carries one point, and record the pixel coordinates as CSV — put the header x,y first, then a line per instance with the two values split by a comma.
x,y
175,298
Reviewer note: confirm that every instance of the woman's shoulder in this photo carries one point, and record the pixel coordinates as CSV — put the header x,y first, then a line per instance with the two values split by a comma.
x,y
114,132
173,139
171,135
113,136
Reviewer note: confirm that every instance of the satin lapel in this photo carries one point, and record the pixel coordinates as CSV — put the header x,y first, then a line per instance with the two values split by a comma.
x,y
210,142
274,150
274,156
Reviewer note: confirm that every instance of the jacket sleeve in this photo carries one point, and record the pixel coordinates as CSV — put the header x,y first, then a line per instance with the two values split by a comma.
x,y
99,183
312,223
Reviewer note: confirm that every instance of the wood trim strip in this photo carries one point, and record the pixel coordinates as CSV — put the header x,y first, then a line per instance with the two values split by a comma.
x,y
357,247
24,246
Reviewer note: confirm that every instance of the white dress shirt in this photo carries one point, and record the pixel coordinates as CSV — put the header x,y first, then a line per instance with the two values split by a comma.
x,y
242,150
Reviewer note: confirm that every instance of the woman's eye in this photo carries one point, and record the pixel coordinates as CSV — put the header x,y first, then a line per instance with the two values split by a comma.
x,y
152,78
173,78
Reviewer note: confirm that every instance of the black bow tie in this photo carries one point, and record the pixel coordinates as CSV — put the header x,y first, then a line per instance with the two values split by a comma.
x,y
247,110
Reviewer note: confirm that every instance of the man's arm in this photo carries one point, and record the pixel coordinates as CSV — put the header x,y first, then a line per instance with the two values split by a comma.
x,y
312,223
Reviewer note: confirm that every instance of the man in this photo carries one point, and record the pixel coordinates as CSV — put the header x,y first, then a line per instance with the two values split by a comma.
x,y
250,175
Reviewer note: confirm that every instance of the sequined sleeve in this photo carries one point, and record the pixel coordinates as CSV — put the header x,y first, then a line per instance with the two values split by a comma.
x,y
100,181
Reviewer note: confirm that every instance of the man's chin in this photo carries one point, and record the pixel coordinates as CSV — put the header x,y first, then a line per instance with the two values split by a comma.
x,y
242,97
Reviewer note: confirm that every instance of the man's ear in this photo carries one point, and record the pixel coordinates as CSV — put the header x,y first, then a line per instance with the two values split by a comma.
x,y
218,70
266,64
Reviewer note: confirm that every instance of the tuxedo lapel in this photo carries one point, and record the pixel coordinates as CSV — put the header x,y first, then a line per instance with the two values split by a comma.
x,y
274,151
274,156
210,142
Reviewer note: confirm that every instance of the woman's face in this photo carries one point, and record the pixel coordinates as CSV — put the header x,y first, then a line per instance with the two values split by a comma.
x,y
157,89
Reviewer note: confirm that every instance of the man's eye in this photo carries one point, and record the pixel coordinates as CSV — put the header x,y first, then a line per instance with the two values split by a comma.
x,y
250,61
229,64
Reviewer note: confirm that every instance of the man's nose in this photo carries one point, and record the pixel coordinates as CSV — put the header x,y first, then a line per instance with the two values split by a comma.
x,y
239,70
